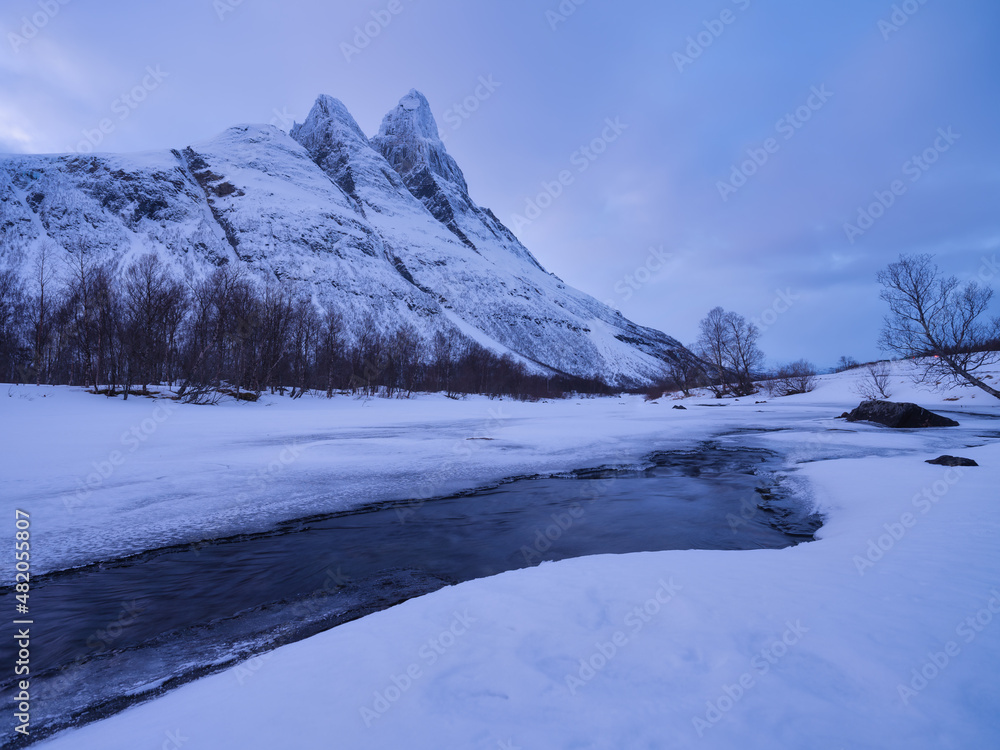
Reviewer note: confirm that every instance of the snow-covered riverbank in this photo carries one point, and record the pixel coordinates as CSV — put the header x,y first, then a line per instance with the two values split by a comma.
x,y
108,478
882,634
792,648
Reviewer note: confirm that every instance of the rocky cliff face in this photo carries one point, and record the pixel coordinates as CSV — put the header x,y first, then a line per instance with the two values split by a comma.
x,y
382,228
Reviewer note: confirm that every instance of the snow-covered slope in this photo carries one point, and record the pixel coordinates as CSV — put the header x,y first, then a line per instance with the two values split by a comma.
x,y
383,227
108,207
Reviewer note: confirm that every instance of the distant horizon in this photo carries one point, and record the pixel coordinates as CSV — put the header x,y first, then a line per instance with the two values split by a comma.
x,y
766,160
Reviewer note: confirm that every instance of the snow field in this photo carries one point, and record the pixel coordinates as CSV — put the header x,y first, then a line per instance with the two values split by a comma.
x,y
881,634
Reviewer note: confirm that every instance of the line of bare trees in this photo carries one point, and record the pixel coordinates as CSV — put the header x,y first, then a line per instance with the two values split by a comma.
x,y
730,363
83,324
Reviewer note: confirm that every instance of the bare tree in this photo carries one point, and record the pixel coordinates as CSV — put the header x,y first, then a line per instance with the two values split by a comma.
x,y
229,343
405,346
108,323
939,321
745,357
13,310
40,317
685,372
874,383
846,363
789,380
712,346
206,340
91,309
80,308
284,331
151,300
728,343
304,332
331,347
368,357
446,349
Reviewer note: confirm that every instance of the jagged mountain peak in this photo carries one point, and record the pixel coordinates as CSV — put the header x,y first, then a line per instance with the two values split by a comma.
x,y
413,112
410,142
330,118
336,143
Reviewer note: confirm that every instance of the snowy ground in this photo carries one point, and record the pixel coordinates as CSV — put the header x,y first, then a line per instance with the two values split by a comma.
x,y
812,646
105,478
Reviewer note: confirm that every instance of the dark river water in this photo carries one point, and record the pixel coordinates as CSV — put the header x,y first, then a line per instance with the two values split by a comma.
x,y
108,635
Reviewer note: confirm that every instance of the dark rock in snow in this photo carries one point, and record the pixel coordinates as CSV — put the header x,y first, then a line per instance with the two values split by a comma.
x,y
952,461
898,416
682,408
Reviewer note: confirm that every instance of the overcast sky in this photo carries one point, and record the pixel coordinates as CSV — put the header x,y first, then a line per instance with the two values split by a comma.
x,y
748,133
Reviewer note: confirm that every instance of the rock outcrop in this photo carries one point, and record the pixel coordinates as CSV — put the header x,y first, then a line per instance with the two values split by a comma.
x,y
898,415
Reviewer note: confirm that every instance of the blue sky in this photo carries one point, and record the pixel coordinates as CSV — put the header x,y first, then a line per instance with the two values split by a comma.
x,y
748,133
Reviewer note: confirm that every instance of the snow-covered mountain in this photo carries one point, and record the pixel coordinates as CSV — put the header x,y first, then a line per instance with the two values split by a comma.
x,y
382,227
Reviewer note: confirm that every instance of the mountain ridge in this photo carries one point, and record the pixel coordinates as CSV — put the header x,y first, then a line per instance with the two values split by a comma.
x,y
381,228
